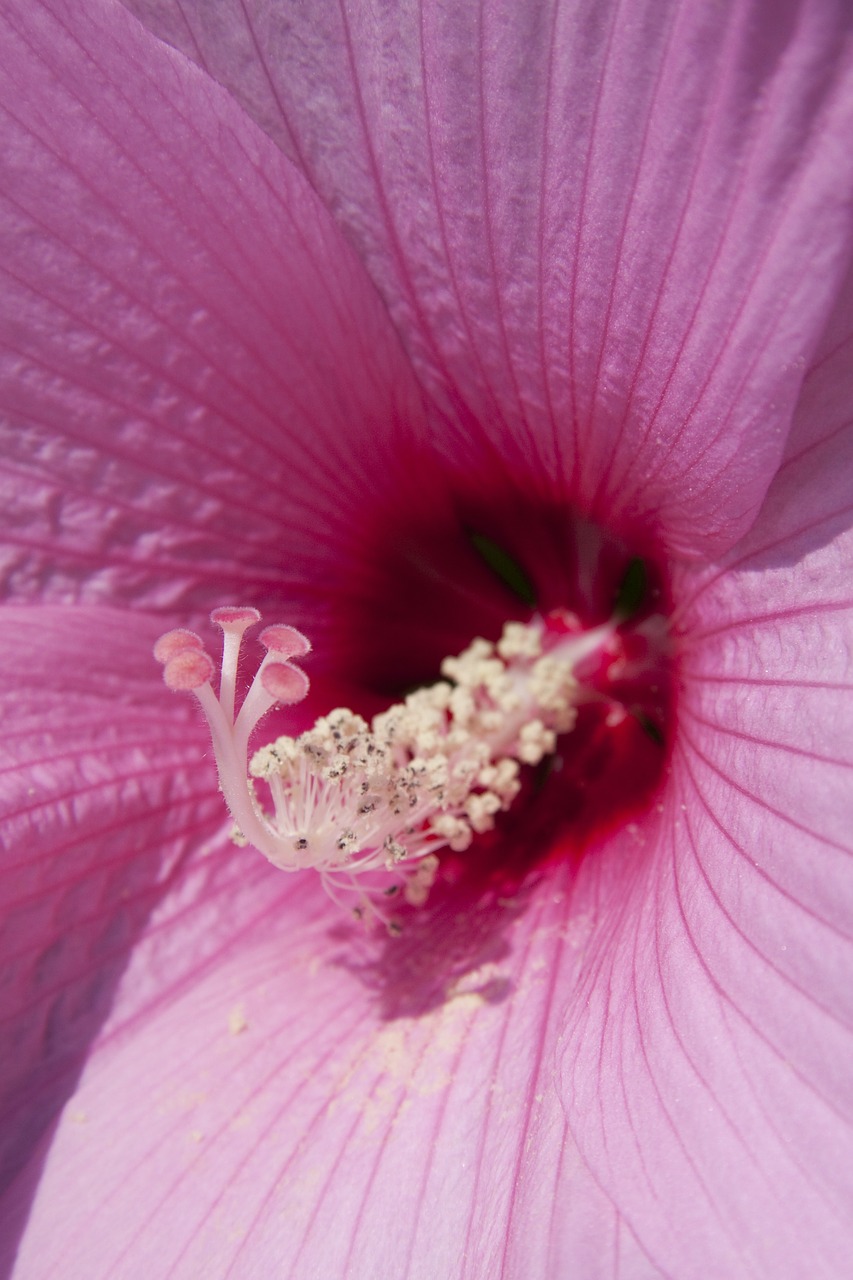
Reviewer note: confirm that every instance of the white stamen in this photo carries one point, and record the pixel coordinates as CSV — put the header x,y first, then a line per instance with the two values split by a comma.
x,y
353,800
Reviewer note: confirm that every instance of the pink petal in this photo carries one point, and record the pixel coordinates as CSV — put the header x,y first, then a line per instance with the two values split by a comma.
x,y
104,791
311,1103
706,1062
199,381
609,243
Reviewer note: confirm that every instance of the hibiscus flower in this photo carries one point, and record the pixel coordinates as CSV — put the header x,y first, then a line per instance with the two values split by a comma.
x,y
363,315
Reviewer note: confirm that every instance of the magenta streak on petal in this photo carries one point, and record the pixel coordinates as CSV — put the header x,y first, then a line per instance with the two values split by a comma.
x,y
718,1223
541,272
795,459
610,1014
200,193
118,1032
793,748
623,241
782,974
230,1083
689,195
774,1122
257,880
576,254
369,1182
462,310
777,615
773,1048
537,1072
726,997
258,50
328,1186
196,483
721,1221
149,895
755,1028
842,1023
195,479
714,677
743,790
385,208
465,1069
267,494
693,637
213,571
727,65
750,862
417,1226
47,860
80,792
708,118
471,420
266,1203
516,412
519,442
316,460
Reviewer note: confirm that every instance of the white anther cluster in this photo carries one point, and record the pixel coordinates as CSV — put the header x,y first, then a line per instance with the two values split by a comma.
x,y
351,797
429,772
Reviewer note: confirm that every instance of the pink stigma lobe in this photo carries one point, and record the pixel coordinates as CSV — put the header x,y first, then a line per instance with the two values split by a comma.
x,y
285,683
189,669
235,618
285,642
177,641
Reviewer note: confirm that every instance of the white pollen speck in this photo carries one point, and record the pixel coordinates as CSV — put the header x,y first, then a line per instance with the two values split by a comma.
x,y
237,1021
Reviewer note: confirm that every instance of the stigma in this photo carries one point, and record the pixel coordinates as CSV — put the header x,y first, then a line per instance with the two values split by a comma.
x,y
370,806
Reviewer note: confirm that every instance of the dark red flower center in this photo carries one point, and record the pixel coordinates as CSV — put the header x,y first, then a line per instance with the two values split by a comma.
x,y
440,579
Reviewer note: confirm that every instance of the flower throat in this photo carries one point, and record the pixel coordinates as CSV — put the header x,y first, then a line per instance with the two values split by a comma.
x,y
374,807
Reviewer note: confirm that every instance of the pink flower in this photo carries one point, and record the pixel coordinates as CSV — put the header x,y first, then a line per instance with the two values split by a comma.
x,y
283,318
